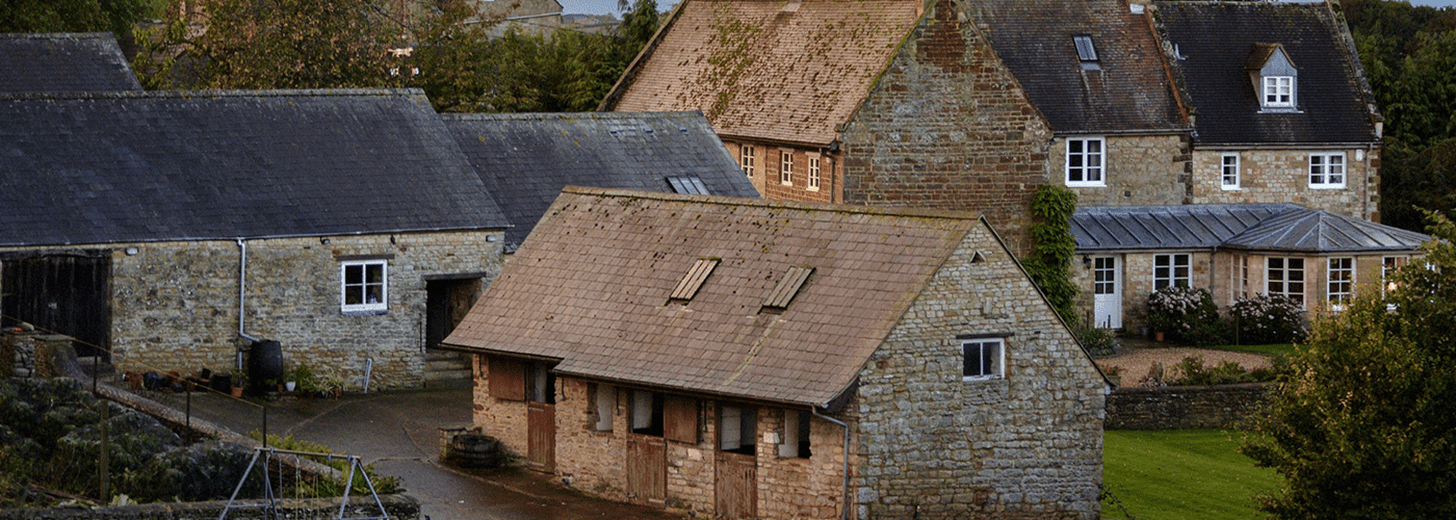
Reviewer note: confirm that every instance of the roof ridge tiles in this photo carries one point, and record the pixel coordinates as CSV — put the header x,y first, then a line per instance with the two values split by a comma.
x,y
780,204
210,94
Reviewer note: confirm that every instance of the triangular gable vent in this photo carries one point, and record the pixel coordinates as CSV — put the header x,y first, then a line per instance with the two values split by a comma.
x,y
787,288
689,285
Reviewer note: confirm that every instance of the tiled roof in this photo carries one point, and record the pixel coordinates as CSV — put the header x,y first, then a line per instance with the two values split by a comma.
x,y
1126,89
525,159
145,166
1216,40
591,287
1261,227
770,69
64,62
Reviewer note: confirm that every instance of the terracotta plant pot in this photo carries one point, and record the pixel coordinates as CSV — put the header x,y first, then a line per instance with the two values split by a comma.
x,y
1158,336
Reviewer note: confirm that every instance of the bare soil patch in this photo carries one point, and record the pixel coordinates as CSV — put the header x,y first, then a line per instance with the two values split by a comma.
x,y
1137,357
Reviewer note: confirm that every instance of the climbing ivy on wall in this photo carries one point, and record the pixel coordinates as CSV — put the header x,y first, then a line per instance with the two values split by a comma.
x,y
1051,259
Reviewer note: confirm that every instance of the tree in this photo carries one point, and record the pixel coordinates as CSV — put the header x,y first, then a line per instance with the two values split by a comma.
x,y
34,16
1363,428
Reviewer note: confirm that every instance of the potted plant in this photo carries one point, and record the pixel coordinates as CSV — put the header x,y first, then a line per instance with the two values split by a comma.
x,y
298,375
239,381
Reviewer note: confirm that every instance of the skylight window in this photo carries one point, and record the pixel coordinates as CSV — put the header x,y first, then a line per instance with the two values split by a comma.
x,y
1086,51
690,283
787,288
692,185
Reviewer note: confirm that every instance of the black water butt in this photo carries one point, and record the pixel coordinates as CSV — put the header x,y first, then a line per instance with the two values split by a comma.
x,y
265,363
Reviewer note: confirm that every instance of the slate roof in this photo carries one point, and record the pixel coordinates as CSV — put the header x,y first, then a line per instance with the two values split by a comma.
x,y
525,159
1129,90
147,166
1216,41
591,288
64,62
1256,227
768,69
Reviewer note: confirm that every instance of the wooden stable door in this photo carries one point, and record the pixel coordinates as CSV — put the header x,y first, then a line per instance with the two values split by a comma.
x,y
647,470
541,436
736,489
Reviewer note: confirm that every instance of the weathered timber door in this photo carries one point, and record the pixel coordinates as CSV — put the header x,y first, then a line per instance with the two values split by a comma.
x,y
64,293
737,485
541,436
647,469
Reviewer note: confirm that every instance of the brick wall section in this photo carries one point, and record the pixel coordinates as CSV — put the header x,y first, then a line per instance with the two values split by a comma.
x,y
1273,176
767,165
1140,171
948,127
1186,407
1027,446
175,304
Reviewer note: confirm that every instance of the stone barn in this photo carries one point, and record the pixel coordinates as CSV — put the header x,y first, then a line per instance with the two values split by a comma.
x,y
741,358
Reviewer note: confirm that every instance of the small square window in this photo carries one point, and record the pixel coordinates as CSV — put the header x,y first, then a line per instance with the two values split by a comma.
x,y
786,168
1171,271
1278,91
813,175
1327,170
1085,162
746,160
984,359
363,286
1230,175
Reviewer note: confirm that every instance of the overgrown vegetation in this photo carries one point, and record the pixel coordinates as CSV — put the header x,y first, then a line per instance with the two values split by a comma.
x,y
1182,474
1053,246
328,487
1190,316
1364,429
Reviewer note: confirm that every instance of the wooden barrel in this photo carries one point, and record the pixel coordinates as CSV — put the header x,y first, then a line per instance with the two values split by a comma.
x,y
473,450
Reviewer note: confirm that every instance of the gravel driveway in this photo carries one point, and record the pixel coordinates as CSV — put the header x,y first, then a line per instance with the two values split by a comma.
x,y
1139,356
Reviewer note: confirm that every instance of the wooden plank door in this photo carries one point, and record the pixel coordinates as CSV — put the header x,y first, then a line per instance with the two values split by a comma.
x,y
647,470
736,487
541,436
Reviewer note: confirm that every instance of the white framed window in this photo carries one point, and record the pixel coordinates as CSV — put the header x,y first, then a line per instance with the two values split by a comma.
x,y
795,440
1340,282
813,173
1229,178
786,167
1278,91
984,359
1172,271
364,286
746,159
1285,276
1086,161
1327,170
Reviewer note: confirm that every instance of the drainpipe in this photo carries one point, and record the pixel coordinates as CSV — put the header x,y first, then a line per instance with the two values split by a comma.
x,y
242,295
815,411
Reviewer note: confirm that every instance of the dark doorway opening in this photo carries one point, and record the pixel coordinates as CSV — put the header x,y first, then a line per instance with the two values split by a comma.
x,y
61,293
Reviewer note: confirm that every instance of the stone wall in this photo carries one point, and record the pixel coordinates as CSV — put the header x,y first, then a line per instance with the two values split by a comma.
x,y
936,445
947,126
1140,171
1186,407
175,304
402,507
1277,176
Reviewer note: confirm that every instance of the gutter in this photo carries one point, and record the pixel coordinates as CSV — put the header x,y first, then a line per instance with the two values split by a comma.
x,y
815,410
242,294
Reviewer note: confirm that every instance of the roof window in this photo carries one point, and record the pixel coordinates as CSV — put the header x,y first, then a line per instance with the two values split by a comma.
x,y
1274,77
1086,51
691,282
690,185
787,288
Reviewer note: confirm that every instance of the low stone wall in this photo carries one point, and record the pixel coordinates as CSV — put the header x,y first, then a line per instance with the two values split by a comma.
x,y
1186,407
18,348
402,507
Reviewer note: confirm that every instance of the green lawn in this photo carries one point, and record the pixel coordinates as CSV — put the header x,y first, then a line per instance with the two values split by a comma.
x,y
1181,475
1276,349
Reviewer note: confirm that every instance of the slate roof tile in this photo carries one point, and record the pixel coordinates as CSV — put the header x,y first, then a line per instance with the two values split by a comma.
x,y
1261,227
96,168
1215,41
809,353
64,62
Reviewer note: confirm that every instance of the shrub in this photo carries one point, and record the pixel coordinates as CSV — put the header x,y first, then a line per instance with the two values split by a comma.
x,y
1098,342
1264,319
1186,314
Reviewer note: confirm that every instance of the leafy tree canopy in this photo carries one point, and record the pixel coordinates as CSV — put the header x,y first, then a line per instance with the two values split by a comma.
x,y
42,16
1364,428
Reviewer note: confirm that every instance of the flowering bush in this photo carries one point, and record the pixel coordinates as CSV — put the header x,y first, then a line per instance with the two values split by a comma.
x,y
1185,313
1267,319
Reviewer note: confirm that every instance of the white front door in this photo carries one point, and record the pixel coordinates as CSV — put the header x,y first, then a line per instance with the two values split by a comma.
x,y
1107,293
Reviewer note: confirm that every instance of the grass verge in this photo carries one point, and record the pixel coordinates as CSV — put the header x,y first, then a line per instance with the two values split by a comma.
x,y
1181,475
1276,349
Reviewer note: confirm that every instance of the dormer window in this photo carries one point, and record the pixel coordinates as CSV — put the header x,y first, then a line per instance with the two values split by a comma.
x,y
1086,52
1274,77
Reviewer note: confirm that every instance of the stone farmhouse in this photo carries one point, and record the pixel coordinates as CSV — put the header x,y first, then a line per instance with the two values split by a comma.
x,y
174,228
971,104
526,159
741,358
